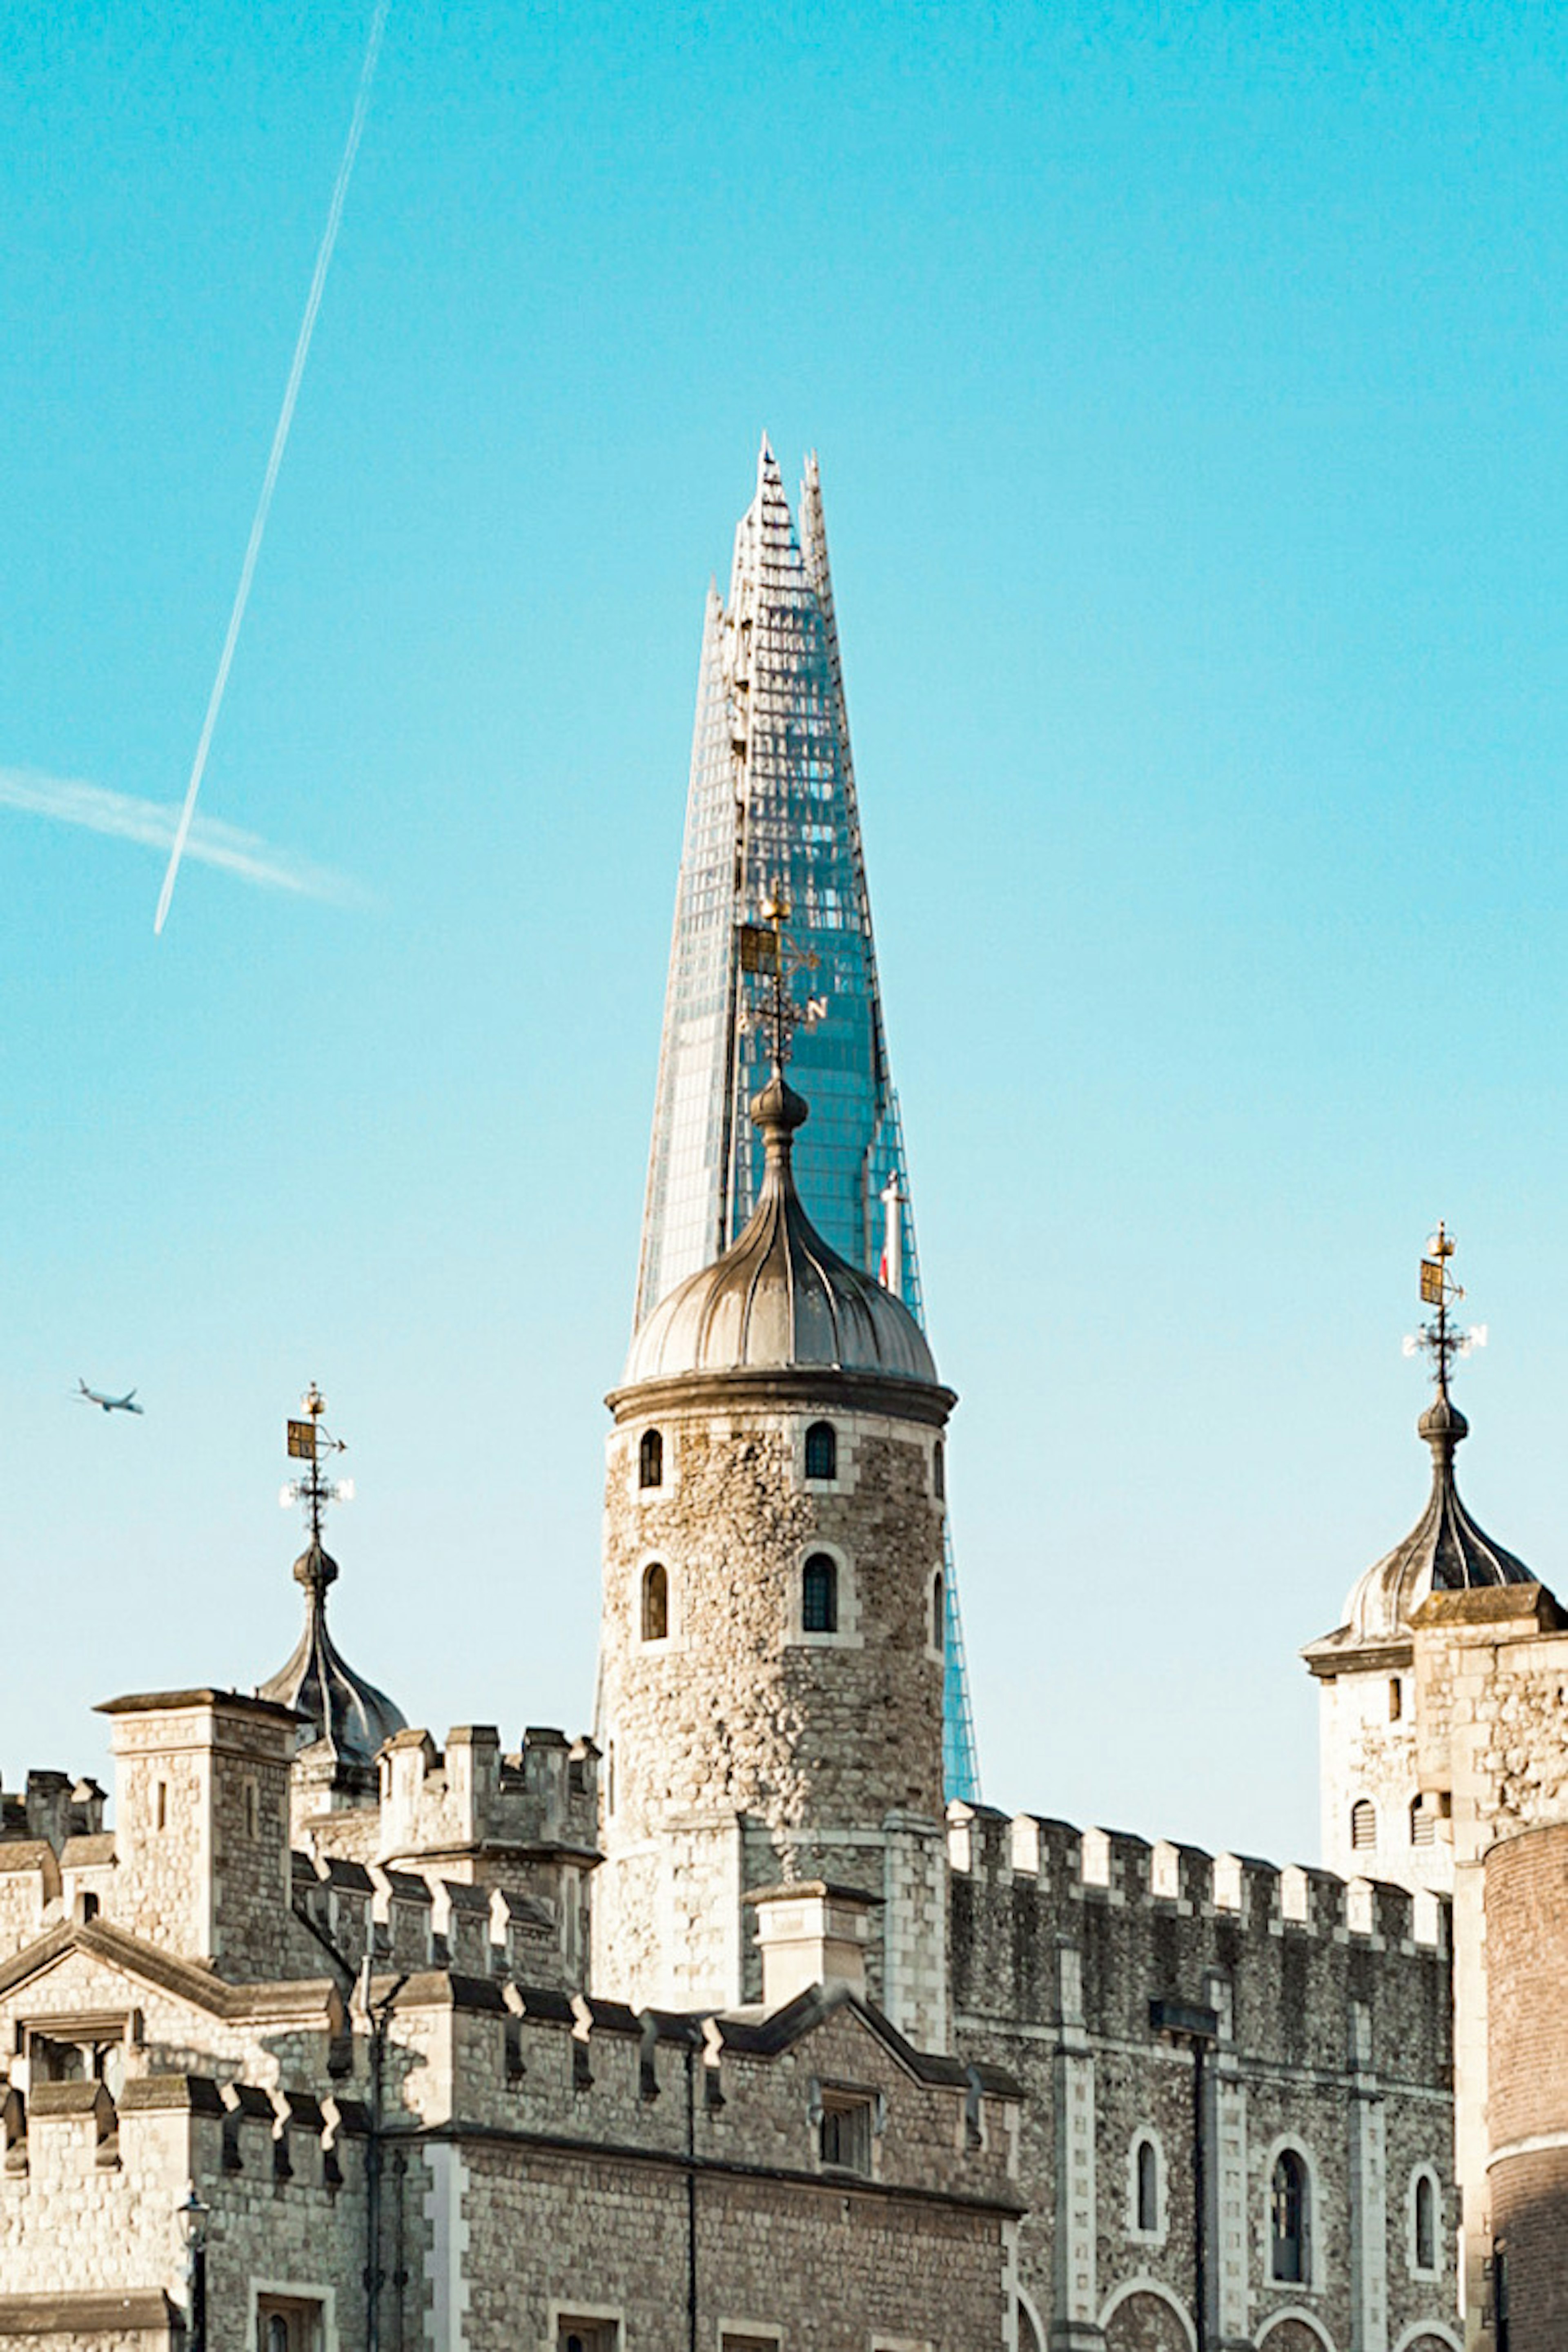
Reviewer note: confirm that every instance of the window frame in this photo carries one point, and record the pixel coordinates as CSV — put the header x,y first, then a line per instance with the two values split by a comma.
x,y
1424,2176
1306,2276
936,1617
300,2299
847,1632
651,1449
1146,2141
819,1428
842,2102
564,2312
672,1638
645,1588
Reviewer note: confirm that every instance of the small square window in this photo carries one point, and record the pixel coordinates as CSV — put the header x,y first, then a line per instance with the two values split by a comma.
x,y
844,2135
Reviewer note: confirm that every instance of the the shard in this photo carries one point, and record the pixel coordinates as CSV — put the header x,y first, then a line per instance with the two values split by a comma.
x,y
772,803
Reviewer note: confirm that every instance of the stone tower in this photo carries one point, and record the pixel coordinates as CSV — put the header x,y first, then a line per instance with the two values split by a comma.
x,y
1376,1821
771,1663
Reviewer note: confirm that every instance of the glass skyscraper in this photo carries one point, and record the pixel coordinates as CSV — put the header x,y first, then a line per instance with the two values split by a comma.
x,y
771,801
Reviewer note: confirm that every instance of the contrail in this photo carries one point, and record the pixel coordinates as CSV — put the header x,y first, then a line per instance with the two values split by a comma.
x,y
279,442
69,800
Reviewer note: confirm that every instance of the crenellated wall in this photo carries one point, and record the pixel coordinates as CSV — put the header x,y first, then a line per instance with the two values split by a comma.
x,y
1330,2007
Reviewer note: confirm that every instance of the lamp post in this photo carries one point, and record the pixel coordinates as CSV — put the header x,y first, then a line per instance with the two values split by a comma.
x,y
193,2215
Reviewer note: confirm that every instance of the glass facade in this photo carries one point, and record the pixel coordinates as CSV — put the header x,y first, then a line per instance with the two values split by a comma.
x,y
771,800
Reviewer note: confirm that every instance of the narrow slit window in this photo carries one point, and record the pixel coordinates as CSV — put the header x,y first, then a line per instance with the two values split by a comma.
x,y
939,1471
656,1603
939,1610
822,1450
1396,1698
1148,2188
819,1595
650,1459
1426,2223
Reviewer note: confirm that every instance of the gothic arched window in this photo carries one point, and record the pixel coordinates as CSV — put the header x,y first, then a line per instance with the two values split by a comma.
x,y
822,1450
655,1602
650,1459
819,1595
1288,2220
1363,1825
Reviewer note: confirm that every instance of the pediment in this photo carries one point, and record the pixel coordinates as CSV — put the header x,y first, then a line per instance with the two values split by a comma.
x,y
93,1965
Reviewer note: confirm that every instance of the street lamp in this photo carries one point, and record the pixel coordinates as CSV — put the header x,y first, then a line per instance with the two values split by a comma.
x,y
192,2216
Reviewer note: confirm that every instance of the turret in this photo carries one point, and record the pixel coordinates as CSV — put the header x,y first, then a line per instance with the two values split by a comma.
x,y
771,1645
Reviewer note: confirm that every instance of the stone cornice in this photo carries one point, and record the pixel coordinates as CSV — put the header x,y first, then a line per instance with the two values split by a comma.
x,y
821,1385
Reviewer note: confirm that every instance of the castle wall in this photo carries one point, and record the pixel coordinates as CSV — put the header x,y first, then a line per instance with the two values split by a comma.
x,y
1491,1667
1331,2013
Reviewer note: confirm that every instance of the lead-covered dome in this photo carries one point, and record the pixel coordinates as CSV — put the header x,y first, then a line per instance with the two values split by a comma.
x,y
348,1715
1444,1551
779,1297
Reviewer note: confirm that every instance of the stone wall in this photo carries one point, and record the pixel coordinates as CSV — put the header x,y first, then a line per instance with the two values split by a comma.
x,y
1330,2005
1526,1959
736,1722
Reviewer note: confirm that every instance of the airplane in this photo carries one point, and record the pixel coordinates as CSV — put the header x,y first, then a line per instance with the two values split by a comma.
x,y
106,1403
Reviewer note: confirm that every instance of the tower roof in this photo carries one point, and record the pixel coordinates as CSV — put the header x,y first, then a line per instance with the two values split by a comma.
x,y
780,1297
1445,1550
343,1710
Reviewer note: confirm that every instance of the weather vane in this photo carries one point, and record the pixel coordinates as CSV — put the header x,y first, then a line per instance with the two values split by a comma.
x,y
310,1440
771,956
1441,1339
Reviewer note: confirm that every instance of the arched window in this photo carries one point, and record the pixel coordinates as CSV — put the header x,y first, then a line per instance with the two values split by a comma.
x,y
1423,1823
939,1470
1148,2188
939,1610
819,1594
1425,2220
650,1459
655,1602
1363,1825
822,1450
1288,2220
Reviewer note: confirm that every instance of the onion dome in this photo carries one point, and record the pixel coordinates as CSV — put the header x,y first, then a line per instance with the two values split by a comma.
x,y
780,1297
350,1716
1444,1551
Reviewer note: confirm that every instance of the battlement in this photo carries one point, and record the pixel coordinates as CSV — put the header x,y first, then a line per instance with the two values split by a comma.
x,y
1122,1871
1288,1958
472,1797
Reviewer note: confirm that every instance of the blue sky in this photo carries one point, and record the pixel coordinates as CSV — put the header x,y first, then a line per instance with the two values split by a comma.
x,y
1189,386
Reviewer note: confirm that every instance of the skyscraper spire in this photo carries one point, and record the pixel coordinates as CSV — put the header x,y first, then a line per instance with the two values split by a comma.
x,y
772,806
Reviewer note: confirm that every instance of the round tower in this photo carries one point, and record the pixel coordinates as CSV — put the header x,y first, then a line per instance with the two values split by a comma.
x,y
771,1649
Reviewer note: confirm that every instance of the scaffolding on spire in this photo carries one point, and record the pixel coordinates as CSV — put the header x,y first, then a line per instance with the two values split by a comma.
x,y
772,818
